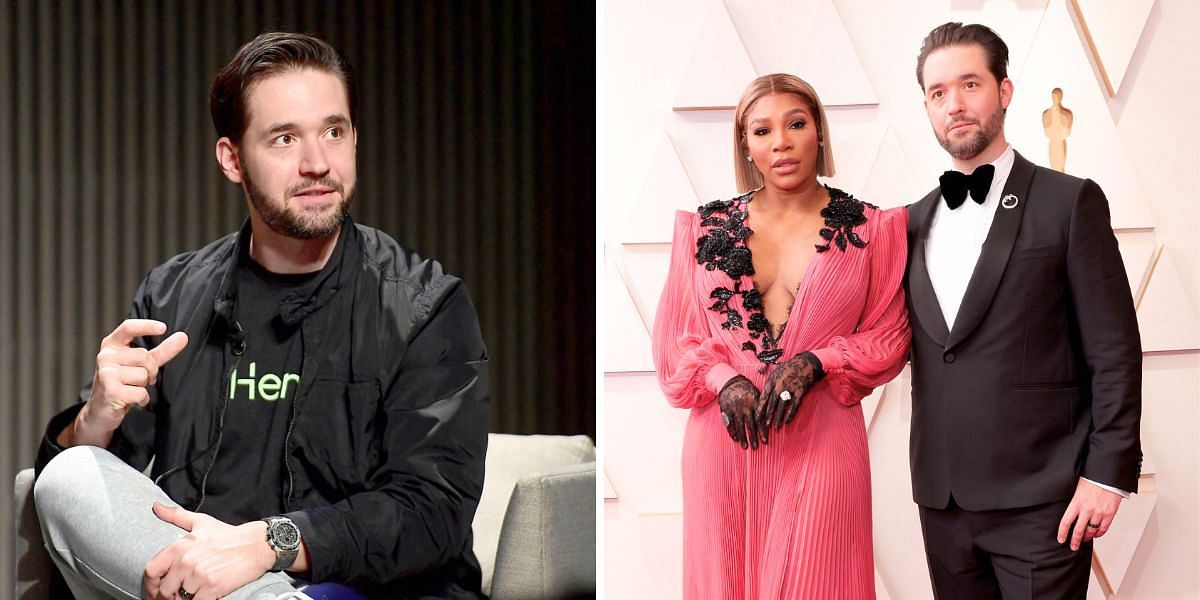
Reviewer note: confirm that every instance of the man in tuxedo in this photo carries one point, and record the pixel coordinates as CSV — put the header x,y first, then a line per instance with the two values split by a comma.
x,y
1026,354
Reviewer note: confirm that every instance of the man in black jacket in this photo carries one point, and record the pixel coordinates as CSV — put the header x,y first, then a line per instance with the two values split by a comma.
x,y
1026,354
323,415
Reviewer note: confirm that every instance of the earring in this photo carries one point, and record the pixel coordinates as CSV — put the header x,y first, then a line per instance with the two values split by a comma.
x,y
749,159
821,143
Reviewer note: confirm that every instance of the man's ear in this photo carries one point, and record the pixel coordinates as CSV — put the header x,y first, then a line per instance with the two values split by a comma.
x,y
228,160
1006,92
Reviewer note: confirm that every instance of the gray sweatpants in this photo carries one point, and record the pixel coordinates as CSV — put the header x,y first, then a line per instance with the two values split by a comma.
x,y
100,529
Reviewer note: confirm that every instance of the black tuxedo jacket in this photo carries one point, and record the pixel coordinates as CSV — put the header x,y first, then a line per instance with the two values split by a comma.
x,y
1039,381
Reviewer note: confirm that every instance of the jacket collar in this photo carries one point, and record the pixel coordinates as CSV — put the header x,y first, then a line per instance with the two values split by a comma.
x,y
993,258
921,295
337,274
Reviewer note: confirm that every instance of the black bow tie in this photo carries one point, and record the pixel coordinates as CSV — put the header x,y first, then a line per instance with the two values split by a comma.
x,y
955,185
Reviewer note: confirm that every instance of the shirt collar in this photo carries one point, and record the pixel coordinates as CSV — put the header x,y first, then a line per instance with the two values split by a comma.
x,y
337,273
1003,165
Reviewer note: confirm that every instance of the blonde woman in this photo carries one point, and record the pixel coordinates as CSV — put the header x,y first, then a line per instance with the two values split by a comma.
x,y
782,310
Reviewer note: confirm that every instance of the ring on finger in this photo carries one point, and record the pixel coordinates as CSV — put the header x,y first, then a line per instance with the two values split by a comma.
x,y
1093,526
185,595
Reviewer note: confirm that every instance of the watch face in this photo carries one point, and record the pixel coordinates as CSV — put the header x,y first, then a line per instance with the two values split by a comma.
x,y
285,534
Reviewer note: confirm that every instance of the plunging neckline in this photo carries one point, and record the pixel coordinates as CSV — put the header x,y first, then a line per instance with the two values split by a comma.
x,y
800,287
722,246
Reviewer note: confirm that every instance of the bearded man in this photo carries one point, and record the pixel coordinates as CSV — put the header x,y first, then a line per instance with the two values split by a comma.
x,y
1026,355
323,418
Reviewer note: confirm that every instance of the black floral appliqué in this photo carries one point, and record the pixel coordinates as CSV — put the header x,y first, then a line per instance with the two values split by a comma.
x,y
722,296
723,246
843,213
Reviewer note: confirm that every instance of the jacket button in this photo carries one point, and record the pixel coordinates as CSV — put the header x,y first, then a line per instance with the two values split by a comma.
x,y
949,357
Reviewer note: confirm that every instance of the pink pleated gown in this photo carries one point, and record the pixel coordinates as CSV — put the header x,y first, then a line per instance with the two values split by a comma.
x,y
793,518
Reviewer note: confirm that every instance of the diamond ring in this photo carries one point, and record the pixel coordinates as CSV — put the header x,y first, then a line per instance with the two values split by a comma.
x,y
186,595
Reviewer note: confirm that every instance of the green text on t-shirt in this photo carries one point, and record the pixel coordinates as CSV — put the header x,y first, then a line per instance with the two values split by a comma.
x,y
269,387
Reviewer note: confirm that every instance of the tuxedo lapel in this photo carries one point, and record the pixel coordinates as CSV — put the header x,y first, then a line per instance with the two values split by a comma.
x,y
920,286
993,258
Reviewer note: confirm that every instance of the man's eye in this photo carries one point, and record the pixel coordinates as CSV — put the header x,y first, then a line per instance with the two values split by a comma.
x,y
334,132
284,139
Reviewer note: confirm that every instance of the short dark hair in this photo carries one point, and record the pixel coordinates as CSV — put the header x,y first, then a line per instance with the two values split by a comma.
x,y
270,54
957,34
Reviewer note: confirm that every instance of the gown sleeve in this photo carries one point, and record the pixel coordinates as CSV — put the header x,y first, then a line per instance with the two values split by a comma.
x,y
692,364
875,353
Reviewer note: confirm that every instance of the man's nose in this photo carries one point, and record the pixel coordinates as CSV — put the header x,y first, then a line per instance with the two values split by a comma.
x,y
313,162
954,103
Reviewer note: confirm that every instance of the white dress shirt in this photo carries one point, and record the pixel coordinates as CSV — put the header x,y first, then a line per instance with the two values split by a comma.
x,y
956,238
954,243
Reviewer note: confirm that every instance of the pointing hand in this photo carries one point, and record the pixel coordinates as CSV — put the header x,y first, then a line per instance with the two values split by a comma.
x,y
123,372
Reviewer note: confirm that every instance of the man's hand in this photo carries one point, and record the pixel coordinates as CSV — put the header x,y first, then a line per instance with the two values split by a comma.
x,y
210,562
123,373
1091,511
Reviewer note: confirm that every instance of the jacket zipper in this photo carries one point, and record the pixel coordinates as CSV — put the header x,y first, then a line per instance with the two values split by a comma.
x,y
287,437
287,501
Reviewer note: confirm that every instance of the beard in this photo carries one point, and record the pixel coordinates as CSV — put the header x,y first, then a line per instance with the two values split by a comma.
x,y
972,145
303,224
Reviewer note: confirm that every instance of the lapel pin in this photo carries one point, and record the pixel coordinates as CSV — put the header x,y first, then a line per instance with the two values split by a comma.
x,y
1009,201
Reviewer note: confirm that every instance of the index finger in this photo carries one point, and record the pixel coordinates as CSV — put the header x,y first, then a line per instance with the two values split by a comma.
x,y
169,348
1064,525
131,329
768,388
764,409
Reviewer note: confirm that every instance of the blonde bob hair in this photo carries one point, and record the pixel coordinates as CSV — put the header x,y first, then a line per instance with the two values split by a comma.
x,y
748,176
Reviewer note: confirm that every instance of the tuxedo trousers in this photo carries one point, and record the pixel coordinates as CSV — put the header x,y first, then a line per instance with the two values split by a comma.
x,y
1010,554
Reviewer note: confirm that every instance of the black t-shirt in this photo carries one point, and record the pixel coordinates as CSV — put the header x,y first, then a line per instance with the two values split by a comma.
x,y
250,478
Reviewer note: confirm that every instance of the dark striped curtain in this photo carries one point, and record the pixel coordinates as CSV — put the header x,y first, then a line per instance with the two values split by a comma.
x,y
476,147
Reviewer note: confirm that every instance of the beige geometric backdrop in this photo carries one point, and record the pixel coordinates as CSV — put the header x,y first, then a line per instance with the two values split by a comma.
x,y
1130,73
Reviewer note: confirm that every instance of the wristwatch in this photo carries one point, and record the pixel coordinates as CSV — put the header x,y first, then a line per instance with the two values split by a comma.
x,y
284,538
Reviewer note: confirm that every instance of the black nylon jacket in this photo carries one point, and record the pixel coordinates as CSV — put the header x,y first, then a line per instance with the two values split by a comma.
x,y
385,452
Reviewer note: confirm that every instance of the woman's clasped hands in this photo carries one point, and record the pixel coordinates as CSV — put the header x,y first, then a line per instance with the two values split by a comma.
x,y
749,414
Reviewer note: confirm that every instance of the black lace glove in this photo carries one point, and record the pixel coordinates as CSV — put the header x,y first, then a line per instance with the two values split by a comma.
x,y
785,387
737,400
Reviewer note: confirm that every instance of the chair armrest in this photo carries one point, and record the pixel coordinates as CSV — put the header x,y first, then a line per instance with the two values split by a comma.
x,y
547,543
509,458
